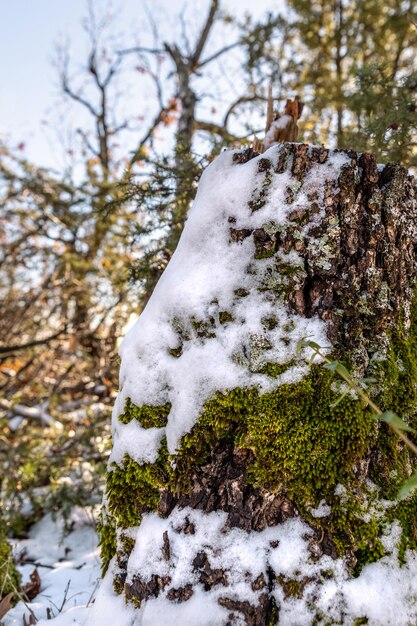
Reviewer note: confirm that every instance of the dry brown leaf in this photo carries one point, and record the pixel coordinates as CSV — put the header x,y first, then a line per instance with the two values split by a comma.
x,y
32,588
6,604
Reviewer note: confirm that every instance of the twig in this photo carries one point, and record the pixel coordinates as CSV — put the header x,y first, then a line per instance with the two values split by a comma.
x,y
65,596
93,592
30,344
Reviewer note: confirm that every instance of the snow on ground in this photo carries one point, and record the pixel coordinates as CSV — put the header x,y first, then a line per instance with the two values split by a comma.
x,y
68,566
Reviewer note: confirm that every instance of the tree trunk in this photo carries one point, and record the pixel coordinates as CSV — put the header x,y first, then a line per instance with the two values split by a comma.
x,y
211,523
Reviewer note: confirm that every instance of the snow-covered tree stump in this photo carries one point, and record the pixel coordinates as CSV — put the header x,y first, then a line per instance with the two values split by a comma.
x,y
238,492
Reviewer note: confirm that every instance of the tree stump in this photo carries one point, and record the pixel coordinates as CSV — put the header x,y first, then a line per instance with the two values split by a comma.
x,y
239,491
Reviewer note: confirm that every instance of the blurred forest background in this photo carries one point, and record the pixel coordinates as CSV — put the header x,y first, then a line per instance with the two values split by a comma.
x,y
83,245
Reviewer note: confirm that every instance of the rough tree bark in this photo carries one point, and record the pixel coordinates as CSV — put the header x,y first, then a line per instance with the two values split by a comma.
x,y
358,246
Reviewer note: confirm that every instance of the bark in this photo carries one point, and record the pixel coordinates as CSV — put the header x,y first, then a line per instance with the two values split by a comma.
x,y
363,273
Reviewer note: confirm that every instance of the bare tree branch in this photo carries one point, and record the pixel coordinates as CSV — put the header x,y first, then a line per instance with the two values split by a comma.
x,y
202,40
31,344
141,49
216,129
76,96
218,54
136,156
238,102
412,19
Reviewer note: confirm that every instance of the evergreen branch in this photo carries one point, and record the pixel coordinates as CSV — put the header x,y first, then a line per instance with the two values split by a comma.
x,y
216,129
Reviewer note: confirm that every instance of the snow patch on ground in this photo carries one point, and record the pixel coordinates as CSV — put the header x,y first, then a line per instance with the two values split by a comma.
x,y
68,566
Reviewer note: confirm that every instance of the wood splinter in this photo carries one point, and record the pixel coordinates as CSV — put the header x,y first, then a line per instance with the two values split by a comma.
x,y
280,128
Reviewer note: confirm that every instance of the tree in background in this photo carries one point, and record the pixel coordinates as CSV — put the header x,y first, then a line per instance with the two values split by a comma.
x,y
386,108
353,64
170,179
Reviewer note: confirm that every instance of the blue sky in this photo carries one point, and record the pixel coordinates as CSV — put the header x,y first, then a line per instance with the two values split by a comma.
x,y
29,30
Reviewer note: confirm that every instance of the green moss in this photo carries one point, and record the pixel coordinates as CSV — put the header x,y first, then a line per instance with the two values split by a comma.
x,y
125,545
9,576
358,531
204,329
301,442
106,530
276,369
391,463
175,352
406,512
241,293
119,583
292,587
400,369
270,322
225,317
147,415
133,489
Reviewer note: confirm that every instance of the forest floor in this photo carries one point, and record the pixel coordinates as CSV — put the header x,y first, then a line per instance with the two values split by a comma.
x,y
68,565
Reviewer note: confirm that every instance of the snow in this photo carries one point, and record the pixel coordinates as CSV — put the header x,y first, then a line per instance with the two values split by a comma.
x,y
385,592
142,444
323,510
64,562
199,283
